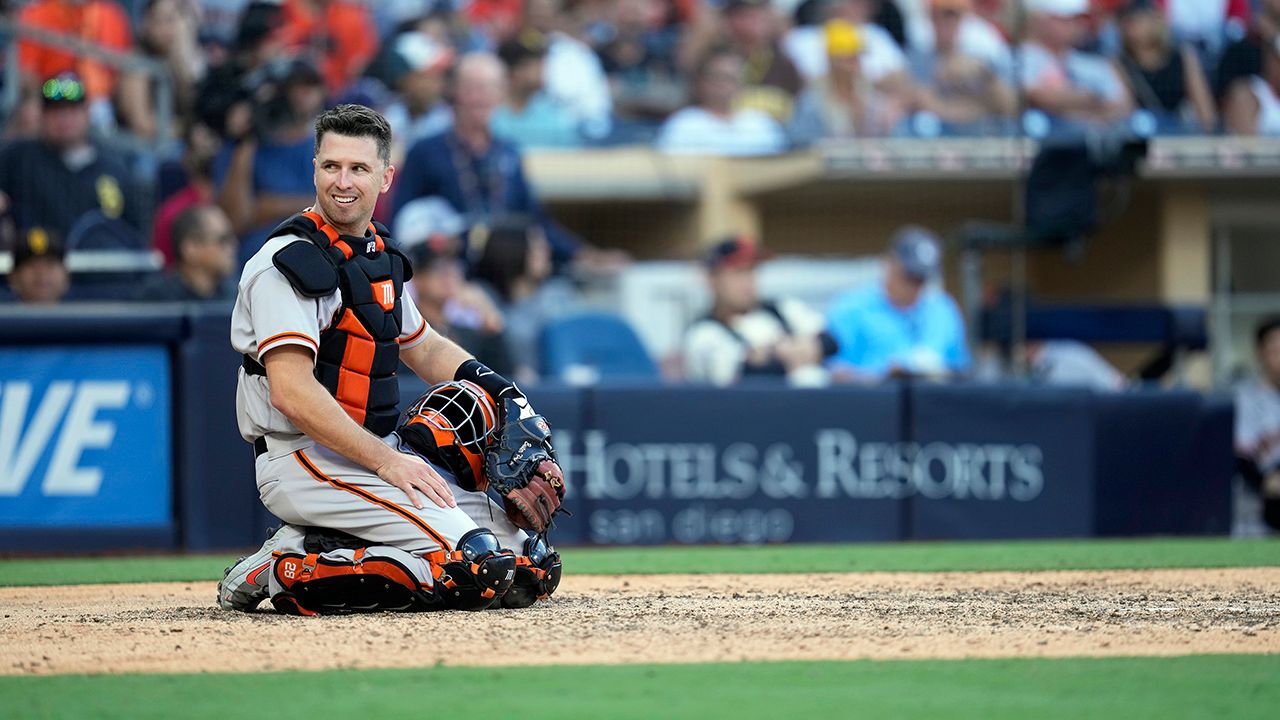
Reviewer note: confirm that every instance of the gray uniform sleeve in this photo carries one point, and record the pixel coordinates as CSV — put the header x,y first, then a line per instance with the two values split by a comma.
x,y
280,315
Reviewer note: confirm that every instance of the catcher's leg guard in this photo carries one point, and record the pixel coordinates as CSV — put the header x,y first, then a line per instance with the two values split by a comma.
x,y
475,575
342,581
537,574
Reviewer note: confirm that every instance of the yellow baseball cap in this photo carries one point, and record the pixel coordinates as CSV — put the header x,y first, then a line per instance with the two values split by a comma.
x,y
843,38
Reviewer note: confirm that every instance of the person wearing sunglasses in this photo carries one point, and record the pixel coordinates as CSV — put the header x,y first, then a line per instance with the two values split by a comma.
x,y
204,248
55,179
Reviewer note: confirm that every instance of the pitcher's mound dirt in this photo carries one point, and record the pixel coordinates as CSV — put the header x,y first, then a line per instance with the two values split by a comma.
x,y
174,627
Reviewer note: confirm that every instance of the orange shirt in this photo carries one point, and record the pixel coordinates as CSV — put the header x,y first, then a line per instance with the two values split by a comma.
x,y
102,22
343,33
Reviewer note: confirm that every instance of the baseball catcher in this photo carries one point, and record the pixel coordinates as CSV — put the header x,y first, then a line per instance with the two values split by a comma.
x,y
480,439
323,328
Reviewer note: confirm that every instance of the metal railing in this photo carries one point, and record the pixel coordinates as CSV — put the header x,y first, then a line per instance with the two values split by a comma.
x,y
11,32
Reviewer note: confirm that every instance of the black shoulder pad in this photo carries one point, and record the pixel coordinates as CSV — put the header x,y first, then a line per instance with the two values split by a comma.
x,y
405,262
307,267
382,231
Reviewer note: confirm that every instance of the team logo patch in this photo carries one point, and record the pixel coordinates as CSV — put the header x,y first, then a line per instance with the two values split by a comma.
x,y
384,293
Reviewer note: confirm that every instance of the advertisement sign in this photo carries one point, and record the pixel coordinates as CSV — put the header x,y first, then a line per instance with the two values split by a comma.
x,y
702,465
84,437
993,464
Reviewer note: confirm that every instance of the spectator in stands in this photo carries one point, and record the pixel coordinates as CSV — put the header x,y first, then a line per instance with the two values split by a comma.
x,y
713,125
745,337
459,310
573,74
478,174
963,89
529,118
976,36
167,35
843,103
204,247
639,60
264,175
1207,25
420,110
227,91
883,61
427,217
202,146
902,325
101,22
514,267
1075,90
60,178
1165,80
1253,103
337,36
771,80
39,274
1258,422
1243,57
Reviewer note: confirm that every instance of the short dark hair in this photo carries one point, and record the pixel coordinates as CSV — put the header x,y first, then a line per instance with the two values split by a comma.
x,y
504,257
356,121
188,224
1265,328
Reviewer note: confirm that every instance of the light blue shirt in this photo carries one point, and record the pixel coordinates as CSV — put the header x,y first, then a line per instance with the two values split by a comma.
x,y
543,123
875,336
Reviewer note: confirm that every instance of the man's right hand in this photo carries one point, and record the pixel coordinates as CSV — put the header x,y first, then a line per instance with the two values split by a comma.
x,y
413,475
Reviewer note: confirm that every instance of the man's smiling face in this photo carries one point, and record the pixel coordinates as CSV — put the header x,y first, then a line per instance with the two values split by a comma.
x,y
349,176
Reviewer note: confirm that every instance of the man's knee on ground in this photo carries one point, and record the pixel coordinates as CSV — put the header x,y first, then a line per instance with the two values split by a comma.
x,y
477,574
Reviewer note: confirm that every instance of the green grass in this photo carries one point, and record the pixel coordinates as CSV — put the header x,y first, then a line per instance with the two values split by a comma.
x,y
1223,686
898,557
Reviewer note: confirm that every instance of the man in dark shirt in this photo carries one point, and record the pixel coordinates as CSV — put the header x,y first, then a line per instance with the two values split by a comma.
x,y
204,247
479,174
60,178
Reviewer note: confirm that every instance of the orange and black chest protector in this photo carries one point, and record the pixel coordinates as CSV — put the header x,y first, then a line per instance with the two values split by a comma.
x,y
360,351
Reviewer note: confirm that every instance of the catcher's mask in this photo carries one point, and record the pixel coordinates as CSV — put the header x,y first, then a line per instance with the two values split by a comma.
x,y
450,425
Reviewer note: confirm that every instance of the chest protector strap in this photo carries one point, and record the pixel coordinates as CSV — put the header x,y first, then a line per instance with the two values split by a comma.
x,y
360,351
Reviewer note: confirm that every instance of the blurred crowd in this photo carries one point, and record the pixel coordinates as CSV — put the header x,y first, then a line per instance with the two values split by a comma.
x,y
202,143
218,106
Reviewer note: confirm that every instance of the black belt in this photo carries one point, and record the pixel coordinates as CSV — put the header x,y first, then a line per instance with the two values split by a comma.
x,y
259,447
253,367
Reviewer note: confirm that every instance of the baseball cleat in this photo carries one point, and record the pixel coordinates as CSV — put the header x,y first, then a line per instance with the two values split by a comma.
x,y
245,583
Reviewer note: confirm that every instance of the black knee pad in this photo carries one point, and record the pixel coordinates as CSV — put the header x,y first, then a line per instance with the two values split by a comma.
x,y
315,585
537,574
478,573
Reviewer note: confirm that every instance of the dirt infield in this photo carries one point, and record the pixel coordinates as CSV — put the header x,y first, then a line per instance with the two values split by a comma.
x,y
174,627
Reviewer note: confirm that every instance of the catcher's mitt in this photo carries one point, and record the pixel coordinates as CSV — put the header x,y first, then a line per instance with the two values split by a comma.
x,y
521,465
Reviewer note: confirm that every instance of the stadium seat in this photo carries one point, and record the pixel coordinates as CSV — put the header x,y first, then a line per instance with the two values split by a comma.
x,y
590,346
